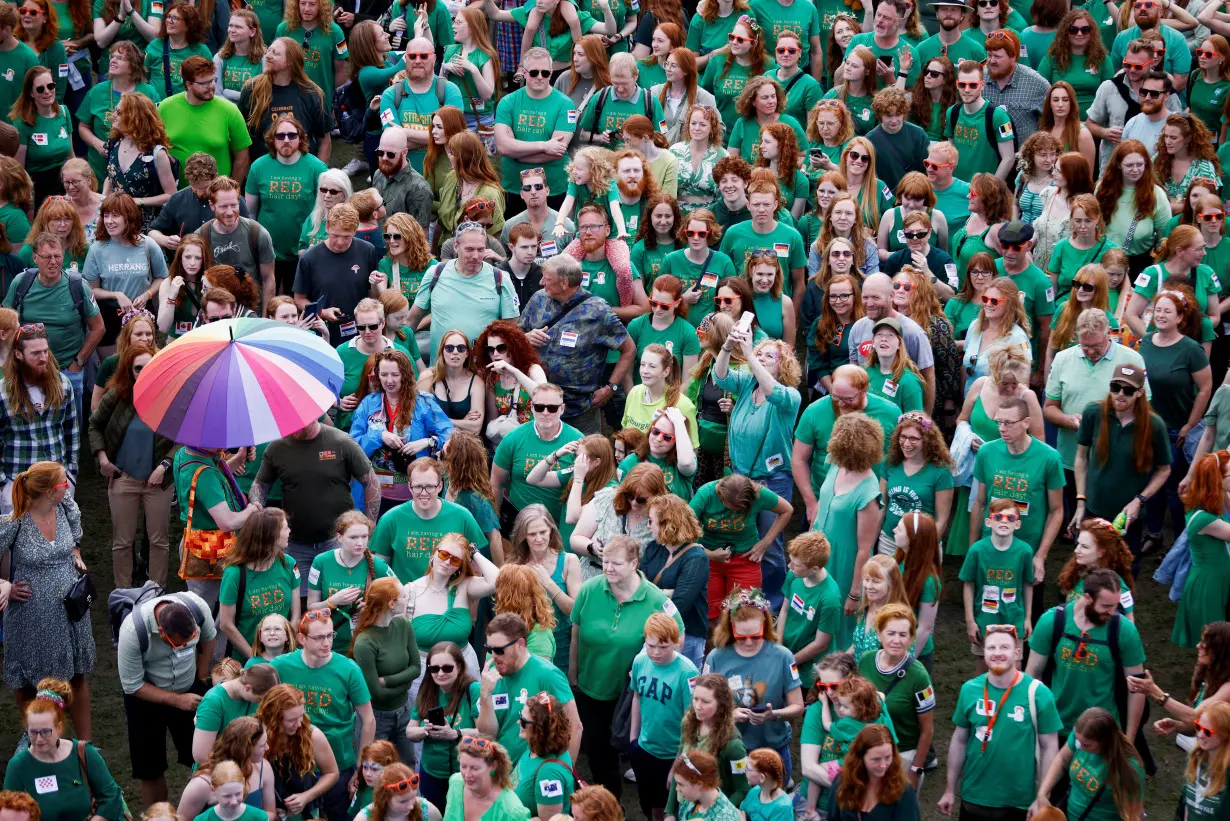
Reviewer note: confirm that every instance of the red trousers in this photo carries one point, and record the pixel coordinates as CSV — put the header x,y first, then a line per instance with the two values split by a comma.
x,y
726,576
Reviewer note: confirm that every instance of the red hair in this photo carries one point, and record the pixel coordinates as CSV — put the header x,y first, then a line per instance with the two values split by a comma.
x,y
1207,490
520,352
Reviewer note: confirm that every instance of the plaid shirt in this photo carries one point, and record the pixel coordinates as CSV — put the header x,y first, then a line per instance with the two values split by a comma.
x,y
51,436
1023,97
508,39
576,351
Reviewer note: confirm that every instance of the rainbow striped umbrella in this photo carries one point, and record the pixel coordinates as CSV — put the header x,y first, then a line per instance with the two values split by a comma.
x,y
238,382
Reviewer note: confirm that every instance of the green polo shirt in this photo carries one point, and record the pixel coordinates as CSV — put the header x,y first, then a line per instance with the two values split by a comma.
x,y
816,427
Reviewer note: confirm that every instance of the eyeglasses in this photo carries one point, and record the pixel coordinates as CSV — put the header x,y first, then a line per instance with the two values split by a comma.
x,y
749,636
498,651
969,86
1120,388
45,733
788,50
208,81
840,297
419,55
543,407
993,301
372,326
980,272
1217,216
533,186
420,489
391,237
915,235
1007,423
663,435
590,229
858,156
726,301
903,286
538,72
332,192
440,668
1202,729
933,74
1004,517
701,234
449,558
655,304
1078,30
735,38
286,136
1085,286
405,785
847,400
1152,93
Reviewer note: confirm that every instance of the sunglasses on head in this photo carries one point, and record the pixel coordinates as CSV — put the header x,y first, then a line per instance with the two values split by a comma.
x,y
440,668
1004,517
1120,388
1010,629
405,785
542,407
973,86
701,234
655,304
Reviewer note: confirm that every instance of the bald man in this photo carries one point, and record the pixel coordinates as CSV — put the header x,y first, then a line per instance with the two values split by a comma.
x,y
412,102
878,303
403,188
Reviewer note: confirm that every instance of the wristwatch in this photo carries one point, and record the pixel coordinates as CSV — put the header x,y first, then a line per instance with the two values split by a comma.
x,y
917,770
614,387
1142,498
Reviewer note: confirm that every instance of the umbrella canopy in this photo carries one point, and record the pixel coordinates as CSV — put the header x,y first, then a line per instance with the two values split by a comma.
x,y
238,382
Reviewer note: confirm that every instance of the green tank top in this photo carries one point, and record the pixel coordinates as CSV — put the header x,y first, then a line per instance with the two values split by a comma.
x,y
454,625
984,426
896,235
769,314
965,246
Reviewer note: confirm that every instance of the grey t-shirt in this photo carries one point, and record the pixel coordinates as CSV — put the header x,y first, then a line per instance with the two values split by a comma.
x,y
548,228
235,248
130,269
916,341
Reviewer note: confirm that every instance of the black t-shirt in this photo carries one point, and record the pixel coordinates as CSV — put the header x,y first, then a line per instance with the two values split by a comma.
x,y
527,287
898,154
184,213
340,278
308,109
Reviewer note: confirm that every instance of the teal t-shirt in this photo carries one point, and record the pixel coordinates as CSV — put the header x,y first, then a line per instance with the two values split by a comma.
x,y
1024,478
665,692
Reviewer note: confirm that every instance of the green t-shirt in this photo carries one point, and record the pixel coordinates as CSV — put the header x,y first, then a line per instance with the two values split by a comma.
x,y
1004,773
249,813
217,709
598,276
1218,416
616,111
1172,370
1087,678
215,127
286,195
269,14
740,240
999,578
474,103
97,110
536,121
812,608
212,488
544,782
975,154
439,758
237,70
266,592
1024,478
679,338
963,49
1083,77
14,64
328,576
1204,282
953,203
407,540
517,454
1066,259
776,18
704,37
906,492
514,689
665,692
744,137
648,261
49,143
676,483
906,393
726,528
1088,774
559,45
332,692
860,109
816,427
53,307
716,267
320,49
910,697
409,281
868,39
727,87
155,67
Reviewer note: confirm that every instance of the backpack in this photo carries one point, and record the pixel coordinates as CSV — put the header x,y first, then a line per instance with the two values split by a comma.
x,y
23,283
124,600
499,280
399,92
1125,93
1121,691
988,126
350,111
605,94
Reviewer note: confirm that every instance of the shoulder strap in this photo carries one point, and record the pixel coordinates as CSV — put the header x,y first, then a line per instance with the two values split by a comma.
x,y
899,675
85,772
647,101
797,76
569,306
399,94
435,276
21,287
243,587
166,65
989,126
1057,628
441,88
671,558
603,95
76,289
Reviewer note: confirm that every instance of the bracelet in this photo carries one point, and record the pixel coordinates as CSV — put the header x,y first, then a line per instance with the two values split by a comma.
x,y
853,597
1080,497
1161,701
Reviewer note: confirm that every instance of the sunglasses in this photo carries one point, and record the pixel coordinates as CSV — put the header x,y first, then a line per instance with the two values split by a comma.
x,y
542,407
1010,629
43,89
392,237
655,304
988,4
1013,246
932,74
1203,729
936,166
1143,4
332,192
1152,93
35,328
450,348
375,326
787,50
726,301
701,234
641,500
828,686
977,84
1135,66
903,286
749,636
286,136
498,651
440,668
1125,390
915,235
419,55
735,38
478,205
840,253
1085,286
138,368
1215,217
663,435
537,72
449,558
858,156
1004,517
993,301
405,785
533,186
1075,30
500,347
524,722
388,155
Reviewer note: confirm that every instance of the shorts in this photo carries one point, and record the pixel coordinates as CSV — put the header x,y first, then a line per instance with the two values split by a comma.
x,y
148,725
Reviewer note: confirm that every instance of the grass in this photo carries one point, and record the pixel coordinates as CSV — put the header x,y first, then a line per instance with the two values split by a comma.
x,y
1171,667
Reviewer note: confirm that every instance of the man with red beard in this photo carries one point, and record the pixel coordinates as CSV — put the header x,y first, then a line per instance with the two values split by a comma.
x,y
38,418
1000,716
608,271
404,190
1148,125
811,436
1148,16
1016,87
636,187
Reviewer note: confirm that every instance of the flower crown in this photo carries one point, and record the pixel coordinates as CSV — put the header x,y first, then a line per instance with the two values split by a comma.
x,y
50,695
136,313
918,418
752,24
746,598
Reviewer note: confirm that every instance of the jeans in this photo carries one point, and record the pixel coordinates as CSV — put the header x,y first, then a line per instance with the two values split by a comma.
x,y
391,726
773,565
1175,567
433,789
303,554
78,382
694,650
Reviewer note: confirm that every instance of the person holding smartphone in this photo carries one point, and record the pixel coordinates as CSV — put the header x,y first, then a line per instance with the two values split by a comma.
x,y
444,710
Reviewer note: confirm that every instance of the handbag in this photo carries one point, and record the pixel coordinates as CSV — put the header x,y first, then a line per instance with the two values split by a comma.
x,y
79,598
501,426
204,550
621,721
85,777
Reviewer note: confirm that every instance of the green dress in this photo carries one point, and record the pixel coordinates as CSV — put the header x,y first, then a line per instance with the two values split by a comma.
x,y
454,625
1208,582
837,518
506,807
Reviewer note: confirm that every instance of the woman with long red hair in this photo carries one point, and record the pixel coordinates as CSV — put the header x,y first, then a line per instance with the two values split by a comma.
x,y
872,774
510,366
445,123
1099,545
472,176
137,131
304,767
679,92
475,66
729,70
588,73
920,560
665,39
1207,590
384,648
1130,198
1062,119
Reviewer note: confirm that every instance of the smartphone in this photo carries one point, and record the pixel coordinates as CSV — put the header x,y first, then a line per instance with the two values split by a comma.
x,y
759,708
885,59
816,153
1137,675
612,134
313,308
436,716
745,322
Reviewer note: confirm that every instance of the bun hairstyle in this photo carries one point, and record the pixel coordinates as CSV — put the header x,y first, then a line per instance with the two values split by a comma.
x,y
52,697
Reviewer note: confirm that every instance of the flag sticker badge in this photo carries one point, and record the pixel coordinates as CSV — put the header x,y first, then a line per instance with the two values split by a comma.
x,y
572,116
551,788
1005,131
46,784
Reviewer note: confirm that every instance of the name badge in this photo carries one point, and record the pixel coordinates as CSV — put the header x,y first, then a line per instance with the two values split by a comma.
x,y
348,329
63,69
774,462
890,388
39,138
568,339
46,784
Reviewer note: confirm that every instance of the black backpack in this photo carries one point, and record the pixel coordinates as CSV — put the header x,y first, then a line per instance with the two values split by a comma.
x,y
988,126
350,111
25,281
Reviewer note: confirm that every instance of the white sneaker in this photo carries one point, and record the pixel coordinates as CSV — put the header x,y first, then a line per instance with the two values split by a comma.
x,y
356,166
630,775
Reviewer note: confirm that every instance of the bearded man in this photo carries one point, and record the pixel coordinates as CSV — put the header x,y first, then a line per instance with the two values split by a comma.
x,y
606,264
38,418
1147,126
636,187
1016,87
404,190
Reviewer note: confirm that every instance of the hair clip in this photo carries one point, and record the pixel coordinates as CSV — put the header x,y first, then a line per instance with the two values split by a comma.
x,y
751,22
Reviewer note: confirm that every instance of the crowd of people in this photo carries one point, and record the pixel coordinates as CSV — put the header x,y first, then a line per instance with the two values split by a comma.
x,y
682,347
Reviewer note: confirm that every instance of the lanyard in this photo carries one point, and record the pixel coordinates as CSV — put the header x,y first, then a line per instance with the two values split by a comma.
x,y
388,415
991,719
